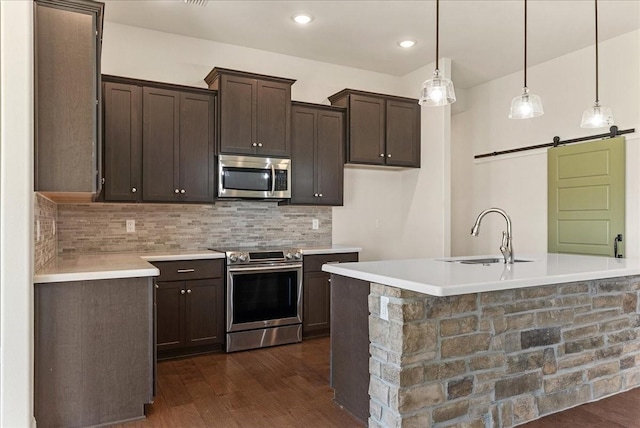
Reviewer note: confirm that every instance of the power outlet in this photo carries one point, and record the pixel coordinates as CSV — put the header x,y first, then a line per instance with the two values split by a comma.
x,y
384,308
37,230
131,226
315,224
53,227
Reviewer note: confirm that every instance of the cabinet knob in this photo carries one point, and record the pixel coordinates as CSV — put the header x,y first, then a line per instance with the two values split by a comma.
x,y
320,194
381,155
157,286
389,155
176,191
259,144
254,145
329,280
315,195
189,291
134,190
182,191
182,291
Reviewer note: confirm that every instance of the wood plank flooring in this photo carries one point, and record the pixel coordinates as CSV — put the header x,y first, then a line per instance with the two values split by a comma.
x,y
283,386
287,386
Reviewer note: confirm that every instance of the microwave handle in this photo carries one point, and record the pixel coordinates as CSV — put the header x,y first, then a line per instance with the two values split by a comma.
x,y
273,178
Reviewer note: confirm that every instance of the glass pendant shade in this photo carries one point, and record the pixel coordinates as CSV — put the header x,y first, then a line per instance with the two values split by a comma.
x,y
597,117
526,106
437,91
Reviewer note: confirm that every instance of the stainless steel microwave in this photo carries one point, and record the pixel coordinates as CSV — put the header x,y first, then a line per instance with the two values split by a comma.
x,y
254,177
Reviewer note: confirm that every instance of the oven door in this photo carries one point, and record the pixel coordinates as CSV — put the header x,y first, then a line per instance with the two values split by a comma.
x,y
260,296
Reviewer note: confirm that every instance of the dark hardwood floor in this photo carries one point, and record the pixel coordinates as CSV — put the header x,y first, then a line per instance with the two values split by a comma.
x,y
287,386
283,386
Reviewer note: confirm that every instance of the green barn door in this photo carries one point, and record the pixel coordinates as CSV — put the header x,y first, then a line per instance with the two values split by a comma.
x,y
586,197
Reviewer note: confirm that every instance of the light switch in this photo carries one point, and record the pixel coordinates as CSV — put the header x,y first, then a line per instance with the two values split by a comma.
x,y
384,308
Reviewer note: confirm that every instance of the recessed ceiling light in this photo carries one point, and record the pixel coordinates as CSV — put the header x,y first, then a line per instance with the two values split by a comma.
x,y
407,43
302,18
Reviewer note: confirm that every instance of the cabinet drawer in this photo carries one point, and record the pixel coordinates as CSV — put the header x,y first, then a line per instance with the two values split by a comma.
x,y
189,269
314,263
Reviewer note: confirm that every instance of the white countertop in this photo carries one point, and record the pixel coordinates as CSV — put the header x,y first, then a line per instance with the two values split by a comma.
x,y
335,249
440,278
112,265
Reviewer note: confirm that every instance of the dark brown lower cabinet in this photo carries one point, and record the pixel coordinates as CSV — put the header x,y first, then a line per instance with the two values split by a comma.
x,y
316,315
350,345
94,356
189,313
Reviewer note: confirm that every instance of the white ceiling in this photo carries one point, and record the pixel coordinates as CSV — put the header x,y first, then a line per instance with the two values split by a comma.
x,y
484,39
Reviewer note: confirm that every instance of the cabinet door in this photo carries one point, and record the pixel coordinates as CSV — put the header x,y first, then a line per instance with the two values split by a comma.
x,y
238,97
205,312
196,164
122,142
329,157
403,133
67,71
317,299
160,144
303,135
170,310
366,130
273,118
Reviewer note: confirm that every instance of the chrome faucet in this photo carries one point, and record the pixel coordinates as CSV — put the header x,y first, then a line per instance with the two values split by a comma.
x,y
506,248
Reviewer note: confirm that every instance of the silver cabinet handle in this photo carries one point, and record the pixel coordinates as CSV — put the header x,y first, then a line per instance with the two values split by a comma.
x,y
329,280
381,155
185,270
176,191
315,195
389,155
134,190
320,194
259,144
189,291
254,145
182,191
157,286
181,291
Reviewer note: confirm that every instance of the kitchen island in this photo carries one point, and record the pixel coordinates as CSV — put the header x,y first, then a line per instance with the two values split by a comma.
x,y
462,344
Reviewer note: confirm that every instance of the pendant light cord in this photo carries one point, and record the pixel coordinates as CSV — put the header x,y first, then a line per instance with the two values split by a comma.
x,y
437,32
525,43
596,9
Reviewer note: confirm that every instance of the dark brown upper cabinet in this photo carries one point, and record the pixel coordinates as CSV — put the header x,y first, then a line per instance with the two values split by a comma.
x,y
67,45
317,153
123,142
159,142
382,129
254,112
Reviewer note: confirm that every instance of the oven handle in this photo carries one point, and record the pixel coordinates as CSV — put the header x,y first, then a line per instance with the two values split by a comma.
x,y
265,268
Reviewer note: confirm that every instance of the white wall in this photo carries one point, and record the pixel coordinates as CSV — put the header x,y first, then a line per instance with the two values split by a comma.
x,y
16,214
378,203
518,183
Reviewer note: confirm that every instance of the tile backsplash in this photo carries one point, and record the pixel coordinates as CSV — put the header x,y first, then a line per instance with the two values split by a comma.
x,y
101,227
46,243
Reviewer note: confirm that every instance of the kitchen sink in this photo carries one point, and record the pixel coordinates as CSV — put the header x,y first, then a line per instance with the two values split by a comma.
x,y
485,261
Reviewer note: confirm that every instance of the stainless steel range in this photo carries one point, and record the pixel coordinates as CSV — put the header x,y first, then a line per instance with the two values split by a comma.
x,y
264,298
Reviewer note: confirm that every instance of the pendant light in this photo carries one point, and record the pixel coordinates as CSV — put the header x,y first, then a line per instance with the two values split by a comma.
x,y
597,116
526,105
437,91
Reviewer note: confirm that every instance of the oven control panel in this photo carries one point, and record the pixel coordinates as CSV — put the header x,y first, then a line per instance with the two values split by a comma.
x,y
250,257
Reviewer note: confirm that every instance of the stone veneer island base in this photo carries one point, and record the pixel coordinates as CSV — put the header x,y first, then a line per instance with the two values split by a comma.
x,y
496,358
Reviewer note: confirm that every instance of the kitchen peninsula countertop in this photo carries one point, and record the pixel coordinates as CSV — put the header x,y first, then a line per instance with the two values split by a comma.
x,y
442,277
84,267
